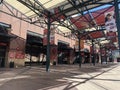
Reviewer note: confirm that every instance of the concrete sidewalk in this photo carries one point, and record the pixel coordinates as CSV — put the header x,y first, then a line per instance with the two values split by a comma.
x,y
62,77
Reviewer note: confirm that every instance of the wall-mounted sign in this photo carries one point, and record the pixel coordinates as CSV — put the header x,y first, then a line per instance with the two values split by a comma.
x,y
52,37
11,55
20,55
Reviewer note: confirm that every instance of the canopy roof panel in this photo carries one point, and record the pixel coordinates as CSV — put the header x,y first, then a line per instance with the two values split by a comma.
x,y
47,4
65,6
94,35
64,10
51,3
19,6
97,34
85,21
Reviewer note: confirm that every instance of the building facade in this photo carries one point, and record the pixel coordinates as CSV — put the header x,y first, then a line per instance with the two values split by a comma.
x,y
22,42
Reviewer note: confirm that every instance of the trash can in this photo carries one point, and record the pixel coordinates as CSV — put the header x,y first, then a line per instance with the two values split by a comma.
x,y
54,63
11,64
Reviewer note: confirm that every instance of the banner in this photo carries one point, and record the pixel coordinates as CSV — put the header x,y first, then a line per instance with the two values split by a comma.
x,y
77,45
12,55
45,37
96,34
19,55
103,52
112,36
52,37
110,24
53,53
16,55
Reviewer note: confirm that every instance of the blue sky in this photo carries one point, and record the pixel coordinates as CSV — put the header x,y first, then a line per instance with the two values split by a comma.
x,y
95,9
98,8
101,7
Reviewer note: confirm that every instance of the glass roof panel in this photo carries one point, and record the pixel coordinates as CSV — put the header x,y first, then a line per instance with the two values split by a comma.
x,y
51,3
22,8
48,4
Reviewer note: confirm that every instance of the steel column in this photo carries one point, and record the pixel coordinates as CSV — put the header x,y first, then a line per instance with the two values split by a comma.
x,y
79,52
93,54
105,55
116,4
31,55
48,43
101,53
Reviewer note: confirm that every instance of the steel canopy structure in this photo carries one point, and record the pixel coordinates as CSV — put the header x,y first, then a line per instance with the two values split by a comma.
x,y
74,15
35,10
62,12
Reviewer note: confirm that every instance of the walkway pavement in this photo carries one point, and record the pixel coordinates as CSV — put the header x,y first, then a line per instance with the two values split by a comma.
x,y
62,77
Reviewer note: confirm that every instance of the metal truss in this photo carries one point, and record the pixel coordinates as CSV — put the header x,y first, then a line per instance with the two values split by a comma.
x,y
41,12
10,10
14,12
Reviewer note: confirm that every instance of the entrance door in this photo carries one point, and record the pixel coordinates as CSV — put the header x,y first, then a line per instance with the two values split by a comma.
x,y
2,56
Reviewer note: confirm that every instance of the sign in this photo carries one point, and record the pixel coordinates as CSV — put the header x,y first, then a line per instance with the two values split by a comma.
x,y
77,45
96,34
11,55
20,55
52,37
16,55
45,37
110,24
114,39
112,36
53,53
103,52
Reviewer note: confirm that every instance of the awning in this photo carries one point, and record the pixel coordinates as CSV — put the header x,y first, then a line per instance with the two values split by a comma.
x,y
34,34
63,42
4,31
7,35
34,39
5,25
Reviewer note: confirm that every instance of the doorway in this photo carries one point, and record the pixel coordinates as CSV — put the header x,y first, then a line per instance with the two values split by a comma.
x,y
2,56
